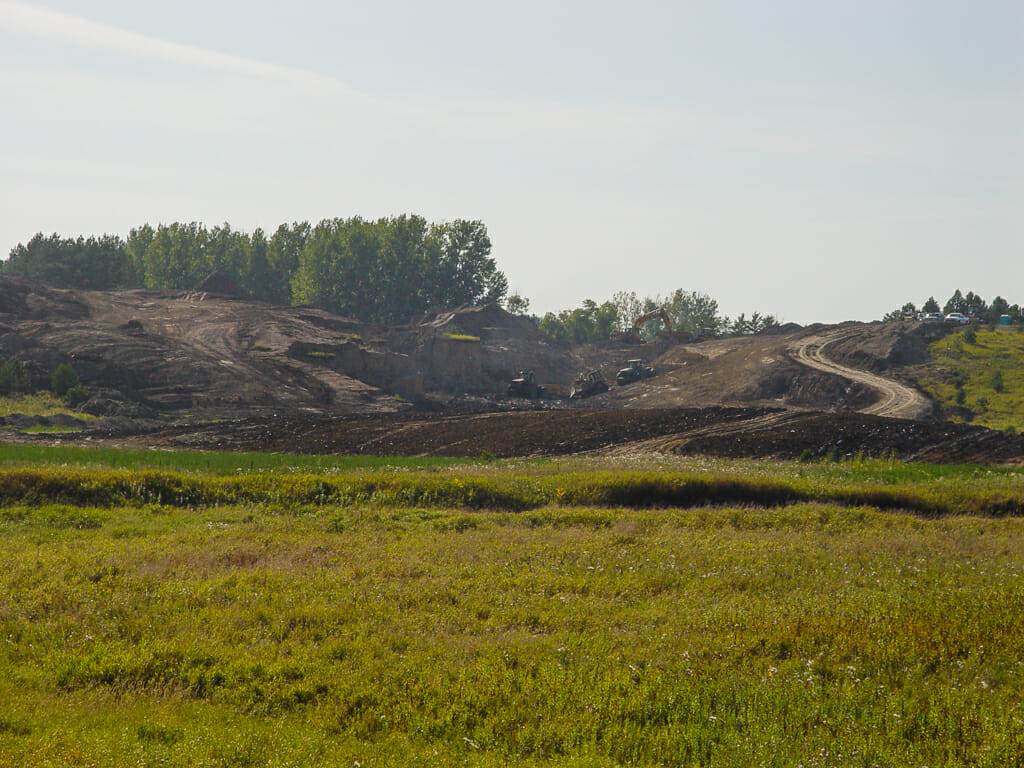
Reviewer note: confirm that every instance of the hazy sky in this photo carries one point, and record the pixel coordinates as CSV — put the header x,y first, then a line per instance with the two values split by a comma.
x,y
821,161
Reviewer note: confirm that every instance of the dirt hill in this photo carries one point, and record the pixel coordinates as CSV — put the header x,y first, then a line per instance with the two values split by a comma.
x,y
252,374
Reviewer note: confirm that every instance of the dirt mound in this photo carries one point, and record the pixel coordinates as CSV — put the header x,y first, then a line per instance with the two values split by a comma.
x,y
880,347
716,431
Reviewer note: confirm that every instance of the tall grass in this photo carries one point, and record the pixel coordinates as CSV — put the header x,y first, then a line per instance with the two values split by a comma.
x,y
567,635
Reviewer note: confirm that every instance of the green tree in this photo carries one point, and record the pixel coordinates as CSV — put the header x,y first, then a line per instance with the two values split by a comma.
x,y
139,240
517,304
284,250
63,379
756,323
997,309
583,325
176,257
13,377
628,307
257,276
91,263
460,269
975,306
931,306
692,312
955,303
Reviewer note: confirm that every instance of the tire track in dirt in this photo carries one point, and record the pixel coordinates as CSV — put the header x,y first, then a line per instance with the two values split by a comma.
x,y
897,400
677,443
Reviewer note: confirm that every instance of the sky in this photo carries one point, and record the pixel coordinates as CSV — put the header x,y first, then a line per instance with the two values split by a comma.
x,y
817,161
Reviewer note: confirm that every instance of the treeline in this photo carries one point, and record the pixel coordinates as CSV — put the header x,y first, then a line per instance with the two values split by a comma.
x,y
970,304
390,270
689,311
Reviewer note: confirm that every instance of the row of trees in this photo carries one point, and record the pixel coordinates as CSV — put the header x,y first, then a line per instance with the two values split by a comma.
x,y
389,270
970,304
689,311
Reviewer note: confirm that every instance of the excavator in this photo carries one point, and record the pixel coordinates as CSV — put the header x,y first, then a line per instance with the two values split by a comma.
x,y
633,334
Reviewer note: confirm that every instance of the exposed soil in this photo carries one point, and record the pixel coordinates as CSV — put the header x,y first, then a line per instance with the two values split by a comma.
x,y
207,370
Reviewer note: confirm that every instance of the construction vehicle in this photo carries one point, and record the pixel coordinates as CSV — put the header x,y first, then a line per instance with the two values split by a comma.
x,y
525,386
633,334
635,370
588,384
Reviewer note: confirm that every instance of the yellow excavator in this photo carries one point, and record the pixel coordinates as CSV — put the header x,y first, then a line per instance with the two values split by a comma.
x,y
633,334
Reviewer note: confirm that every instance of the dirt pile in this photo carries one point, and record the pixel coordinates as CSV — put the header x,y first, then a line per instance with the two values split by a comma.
x,y
714,431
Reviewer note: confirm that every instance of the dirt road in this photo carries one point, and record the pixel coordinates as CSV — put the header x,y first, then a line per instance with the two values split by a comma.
x,y
896,401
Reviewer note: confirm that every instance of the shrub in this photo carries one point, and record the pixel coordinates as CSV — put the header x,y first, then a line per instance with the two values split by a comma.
x,y
76,395
970,334
63,379
13,377
997,380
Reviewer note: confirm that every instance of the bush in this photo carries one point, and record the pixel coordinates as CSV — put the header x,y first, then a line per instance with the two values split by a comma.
x,y
77,395
997,381
63,379
970,334
13,377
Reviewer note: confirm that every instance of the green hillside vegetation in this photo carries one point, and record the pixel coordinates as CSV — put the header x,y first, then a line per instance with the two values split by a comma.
x,y
983,371
580,613
39,404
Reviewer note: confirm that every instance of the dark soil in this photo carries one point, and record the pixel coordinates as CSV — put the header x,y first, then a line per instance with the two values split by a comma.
x,y
714,431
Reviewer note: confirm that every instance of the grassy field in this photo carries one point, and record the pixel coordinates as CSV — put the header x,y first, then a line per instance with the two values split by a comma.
x,y
576,613
985,376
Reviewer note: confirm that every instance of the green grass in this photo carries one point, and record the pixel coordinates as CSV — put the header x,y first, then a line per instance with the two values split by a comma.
x,y
569,613
213,463
40,404
49,430
460,337
975,366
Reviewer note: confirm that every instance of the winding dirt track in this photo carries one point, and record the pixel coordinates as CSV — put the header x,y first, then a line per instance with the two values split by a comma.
x,y
897,400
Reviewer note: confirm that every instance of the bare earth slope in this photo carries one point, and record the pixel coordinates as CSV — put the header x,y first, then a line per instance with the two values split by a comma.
x,y
203,370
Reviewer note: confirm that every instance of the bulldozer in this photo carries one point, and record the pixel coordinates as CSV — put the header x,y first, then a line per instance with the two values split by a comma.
x,y
635,370
588,384
525,386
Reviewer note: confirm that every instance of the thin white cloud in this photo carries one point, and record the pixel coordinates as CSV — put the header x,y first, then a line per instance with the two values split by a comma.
x,y
40,23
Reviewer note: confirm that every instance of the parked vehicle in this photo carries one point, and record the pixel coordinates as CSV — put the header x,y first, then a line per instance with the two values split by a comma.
x,y
957,318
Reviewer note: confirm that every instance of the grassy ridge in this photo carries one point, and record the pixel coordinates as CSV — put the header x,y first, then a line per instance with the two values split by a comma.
x,y
505,490
328,635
